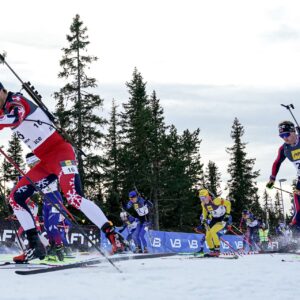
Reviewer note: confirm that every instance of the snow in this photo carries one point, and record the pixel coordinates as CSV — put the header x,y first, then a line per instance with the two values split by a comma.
x,y
261,276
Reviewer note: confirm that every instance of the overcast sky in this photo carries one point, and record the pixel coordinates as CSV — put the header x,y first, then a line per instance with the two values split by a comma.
x,y
209,62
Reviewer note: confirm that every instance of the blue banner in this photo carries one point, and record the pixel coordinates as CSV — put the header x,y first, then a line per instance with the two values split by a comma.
x,y
163,241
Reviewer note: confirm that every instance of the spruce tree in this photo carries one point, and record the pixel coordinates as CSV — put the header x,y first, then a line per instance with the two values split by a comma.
x,y
181,171
266,206
242,185
112,166
10,173
213,178
277,206
157,153
78,108
3,212
135,123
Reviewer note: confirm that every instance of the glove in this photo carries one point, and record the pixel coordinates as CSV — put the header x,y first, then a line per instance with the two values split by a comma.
x,y
296,191
226,217
270,184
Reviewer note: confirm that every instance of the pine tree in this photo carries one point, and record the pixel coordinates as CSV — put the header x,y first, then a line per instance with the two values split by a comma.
x,y
111,166
266,206
10,173
242,186
182,170
3,212
213,178
77,106
278,211
157,155
135,123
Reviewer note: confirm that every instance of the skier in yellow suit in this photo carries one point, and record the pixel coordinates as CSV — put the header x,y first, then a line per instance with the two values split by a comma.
x,y
216,212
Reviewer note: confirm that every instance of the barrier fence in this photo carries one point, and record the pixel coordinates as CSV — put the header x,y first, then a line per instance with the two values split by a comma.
x,y
157,241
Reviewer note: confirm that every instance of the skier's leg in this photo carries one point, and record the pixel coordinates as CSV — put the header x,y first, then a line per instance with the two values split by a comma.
x,y
17,200
209,240
214,233
62,163
142,238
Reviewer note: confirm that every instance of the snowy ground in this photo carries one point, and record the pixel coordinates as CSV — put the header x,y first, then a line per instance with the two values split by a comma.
x,y
252,277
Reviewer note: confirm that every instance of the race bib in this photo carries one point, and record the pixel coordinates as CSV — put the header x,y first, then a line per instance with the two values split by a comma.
x,y
142,211
219,212
69,167
297,166
35,129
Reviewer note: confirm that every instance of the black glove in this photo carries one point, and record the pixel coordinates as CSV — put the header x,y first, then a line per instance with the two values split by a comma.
x,y
270,184
226,217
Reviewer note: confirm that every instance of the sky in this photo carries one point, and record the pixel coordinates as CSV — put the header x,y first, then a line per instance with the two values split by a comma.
x,y
208,61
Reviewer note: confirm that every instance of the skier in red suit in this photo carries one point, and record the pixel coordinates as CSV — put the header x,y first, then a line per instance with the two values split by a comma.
x,y
57,161
290,150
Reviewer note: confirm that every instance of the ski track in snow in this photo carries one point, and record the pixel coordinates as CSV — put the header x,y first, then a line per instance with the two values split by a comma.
x,y
249,277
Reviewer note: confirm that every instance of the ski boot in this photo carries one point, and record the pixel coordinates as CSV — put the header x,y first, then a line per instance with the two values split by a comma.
x,y
138,249
200,253
146,250
59,250
213,253
35,249
114,238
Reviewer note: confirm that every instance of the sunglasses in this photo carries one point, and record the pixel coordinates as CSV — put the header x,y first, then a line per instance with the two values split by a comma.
x,y
284,135
202,198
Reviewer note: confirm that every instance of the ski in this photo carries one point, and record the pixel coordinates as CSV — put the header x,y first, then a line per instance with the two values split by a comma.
x,y
192,256
218,257
14,266
90,262
34,264
204,255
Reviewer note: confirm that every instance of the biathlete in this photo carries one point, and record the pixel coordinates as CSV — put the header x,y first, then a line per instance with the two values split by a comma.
x,y
57,162
218,212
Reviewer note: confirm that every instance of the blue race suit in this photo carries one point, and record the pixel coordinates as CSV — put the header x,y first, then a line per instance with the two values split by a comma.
x,y
141,206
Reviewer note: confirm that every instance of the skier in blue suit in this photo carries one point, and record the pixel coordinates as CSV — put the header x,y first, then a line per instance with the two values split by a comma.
x,y
141,206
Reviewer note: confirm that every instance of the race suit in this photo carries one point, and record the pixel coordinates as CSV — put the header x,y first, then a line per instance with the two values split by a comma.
x,y
57,160
292,153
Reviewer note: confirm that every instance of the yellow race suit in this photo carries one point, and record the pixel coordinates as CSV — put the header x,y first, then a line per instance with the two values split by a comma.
x,y
215,211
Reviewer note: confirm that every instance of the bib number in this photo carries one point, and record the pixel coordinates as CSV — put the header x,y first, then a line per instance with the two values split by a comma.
x,y
69,167
297,165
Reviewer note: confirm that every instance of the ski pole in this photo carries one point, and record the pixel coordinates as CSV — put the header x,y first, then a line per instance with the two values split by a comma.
x,y
244,237
38,100
237,229
289,107
76,225
228,244
275,187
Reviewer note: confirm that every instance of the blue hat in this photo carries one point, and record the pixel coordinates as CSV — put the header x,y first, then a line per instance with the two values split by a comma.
x,y
1,86
132,194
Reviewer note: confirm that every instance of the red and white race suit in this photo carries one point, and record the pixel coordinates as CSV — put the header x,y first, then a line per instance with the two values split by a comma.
x,y
57,160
